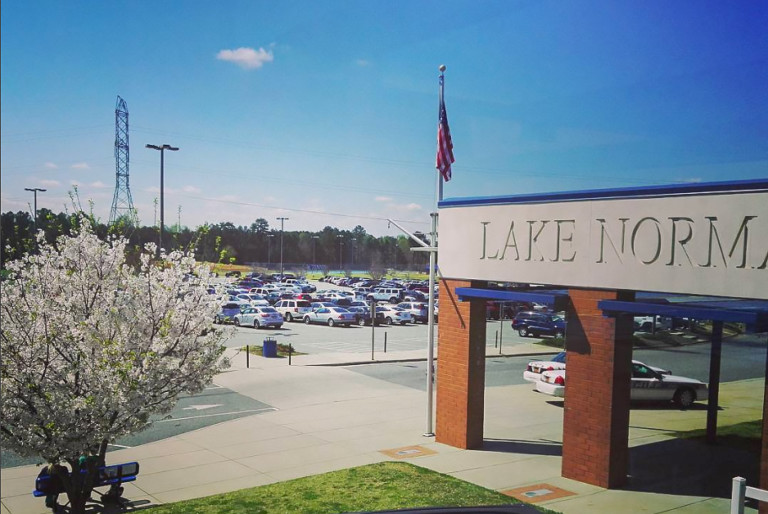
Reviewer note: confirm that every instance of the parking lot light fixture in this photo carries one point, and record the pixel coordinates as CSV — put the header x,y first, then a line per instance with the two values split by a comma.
x,y
341,243
314,249
269,249
282,227
162,149
35,190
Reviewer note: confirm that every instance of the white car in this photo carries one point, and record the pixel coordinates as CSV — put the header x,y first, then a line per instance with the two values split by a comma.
x,y
392,314
647,385
534,369
292,309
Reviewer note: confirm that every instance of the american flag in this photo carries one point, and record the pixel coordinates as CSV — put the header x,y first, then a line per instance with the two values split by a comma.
x,y
444,144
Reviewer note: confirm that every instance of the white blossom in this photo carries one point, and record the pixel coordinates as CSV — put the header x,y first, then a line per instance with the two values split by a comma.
x,y
92,346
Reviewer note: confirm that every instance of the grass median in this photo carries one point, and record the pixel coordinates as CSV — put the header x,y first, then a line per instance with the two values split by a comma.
x,y
382,486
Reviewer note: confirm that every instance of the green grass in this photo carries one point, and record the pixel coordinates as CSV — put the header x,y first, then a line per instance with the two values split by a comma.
x,y
747,435
282,350
382,486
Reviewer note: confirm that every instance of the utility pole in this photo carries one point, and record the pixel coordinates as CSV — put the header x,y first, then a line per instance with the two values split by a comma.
x,y
35,191
341,243
282,226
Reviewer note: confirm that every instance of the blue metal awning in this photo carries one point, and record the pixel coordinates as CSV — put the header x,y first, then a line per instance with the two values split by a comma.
x,y
555,299
754,313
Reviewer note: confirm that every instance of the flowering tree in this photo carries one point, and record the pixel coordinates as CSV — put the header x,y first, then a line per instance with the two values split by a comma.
x,y
91,347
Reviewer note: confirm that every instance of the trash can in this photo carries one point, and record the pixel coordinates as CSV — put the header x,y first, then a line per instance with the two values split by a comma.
x,y
269,348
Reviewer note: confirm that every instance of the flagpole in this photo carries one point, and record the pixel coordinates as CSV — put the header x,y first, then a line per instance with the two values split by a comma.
x,y
432,259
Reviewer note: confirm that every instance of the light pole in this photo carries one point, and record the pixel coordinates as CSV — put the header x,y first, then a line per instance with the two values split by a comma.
x,y
162,149
314,249
35,191
354,251
269,249
341,242
282,226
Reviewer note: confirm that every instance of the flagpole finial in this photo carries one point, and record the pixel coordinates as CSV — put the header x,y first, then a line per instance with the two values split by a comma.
x,y
442,68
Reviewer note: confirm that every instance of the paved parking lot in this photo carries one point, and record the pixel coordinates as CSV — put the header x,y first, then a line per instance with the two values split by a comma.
x,y
314,339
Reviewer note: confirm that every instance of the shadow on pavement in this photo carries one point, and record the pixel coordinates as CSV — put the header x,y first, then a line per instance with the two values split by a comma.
x,y
690,467
541,447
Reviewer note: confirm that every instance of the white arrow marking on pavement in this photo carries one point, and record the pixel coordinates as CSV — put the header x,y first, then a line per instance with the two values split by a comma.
x,y
202,407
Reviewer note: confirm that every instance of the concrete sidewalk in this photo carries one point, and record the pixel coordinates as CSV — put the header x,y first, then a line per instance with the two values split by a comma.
x,y
329,419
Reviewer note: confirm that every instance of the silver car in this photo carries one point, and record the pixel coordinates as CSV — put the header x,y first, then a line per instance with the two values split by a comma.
x,y
331,316
258,317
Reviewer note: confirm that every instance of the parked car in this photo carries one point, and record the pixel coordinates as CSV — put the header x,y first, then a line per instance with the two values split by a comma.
x,y
331,316
271,295
534,369
233,273
258,317
647,385
320,305
419,311
362,314
386,294
534,324
293,309
255,300
227,312
415,296
391,314
645,323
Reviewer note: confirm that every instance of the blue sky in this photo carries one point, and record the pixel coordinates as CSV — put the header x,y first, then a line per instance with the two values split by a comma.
x,y
326,112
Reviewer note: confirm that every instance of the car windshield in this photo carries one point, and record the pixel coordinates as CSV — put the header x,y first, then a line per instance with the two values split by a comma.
x,y
268,309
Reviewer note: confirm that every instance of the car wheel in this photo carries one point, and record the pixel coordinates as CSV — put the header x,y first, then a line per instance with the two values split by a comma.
x,y
389,321
393,300
523,332
279,326
306,320
403,323
330,322
256,324
237,322
216,319
288,317
559,333
361,321
684,397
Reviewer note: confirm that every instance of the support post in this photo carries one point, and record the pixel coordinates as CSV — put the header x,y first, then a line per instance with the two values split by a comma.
x,y
714,381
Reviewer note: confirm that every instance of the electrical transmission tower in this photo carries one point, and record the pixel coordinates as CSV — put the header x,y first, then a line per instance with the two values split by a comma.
x,y
122,203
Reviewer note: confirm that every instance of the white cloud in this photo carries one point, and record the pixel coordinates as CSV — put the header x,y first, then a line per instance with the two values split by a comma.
x,y
50,166
192,189
412,207
246,58
98,184
50,183
383,199
362,62
80,166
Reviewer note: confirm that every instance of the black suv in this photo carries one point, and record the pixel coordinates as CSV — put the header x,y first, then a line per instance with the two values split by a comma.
x,y
534,324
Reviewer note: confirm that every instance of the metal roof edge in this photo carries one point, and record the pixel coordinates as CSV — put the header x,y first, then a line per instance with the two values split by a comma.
x,y
757,319
556,300
656,191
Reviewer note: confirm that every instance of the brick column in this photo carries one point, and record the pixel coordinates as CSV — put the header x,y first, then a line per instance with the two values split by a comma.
x,y
597,386
461,368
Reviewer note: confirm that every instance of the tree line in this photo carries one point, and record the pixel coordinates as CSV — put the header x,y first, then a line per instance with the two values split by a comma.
x,y
257,244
